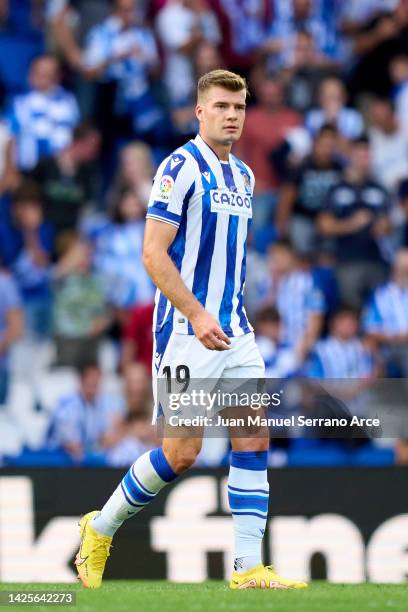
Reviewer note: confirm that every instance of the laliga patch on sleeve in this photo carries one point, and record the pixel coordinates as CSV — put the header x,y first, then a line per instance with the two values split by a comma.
x,y
164,189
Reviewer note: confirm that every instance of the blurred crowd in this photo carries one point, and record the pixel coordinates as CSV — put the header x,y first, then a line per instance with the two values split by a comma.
x,y
94,94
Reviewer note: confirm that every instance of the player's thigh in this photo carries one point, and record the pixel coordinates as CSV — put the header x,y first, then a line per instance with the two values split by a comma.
x,y
182,353
244,359
180,364
244,374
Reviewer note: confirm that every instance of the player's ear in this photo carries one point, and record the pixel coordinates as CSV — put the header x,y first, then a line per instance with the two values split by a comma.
x,y
199,111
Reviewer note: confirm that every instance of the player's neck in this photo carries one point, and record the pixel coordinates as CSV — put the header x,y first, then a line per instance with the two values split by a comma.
x,y
221,151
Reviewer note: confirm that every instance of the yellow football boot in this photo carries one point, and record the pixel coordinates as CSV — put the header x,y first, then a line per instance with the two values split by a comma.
x,y
263,577
93,552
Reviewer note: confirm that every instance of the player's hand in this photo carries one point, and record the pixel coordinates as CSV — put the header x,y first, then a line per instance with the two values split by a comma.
x,y
209,333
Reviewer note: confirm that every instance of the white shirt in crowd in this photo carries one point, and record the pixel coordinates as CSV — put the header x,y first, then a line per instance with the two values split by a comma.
x,y
175,24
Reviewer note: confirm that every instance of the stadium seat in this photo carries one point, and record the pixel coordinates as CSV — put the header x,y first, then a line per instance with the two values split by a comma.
x,y
11,439
370,455
317,453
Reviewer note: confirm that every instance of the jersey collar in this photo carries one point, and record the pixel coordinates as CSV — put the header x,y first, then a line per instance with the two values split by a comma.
x,y
206,150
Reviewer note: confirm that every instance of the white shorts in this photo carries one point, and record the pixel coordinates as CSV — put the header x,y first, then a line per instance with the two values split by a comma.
x,y
181,356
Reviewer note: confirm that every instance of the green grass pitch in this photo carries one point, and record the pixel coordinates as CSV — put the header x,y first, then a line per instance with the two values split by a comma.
x,y
214,596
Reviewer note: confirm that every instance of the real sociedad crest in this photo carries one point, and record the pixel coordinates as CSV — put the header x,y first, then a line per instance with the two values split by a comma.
x,y
247,182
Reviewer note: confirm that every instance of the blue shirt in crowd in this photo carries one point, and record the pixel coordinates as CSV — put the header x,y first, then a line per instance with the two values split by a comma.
x,y
387,311
42,124
9,300
77,421
335,358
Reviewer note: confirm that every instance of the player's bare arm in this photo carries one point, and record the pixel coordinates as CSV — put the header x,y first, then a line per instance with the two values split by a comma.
x,y
164,274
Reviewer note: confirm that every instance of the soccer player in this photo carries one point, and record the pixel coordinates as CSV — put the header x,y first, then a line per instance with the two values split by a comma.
x,y
194,251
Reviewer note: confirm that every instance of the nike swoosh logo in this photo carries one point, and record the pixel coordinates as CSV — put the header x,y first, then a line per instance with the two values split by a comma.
x,y
80,560
131,513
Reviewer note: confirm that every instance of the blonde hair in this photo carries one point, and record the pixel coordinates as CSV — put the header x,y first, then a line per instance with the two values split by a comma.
x,y
221,78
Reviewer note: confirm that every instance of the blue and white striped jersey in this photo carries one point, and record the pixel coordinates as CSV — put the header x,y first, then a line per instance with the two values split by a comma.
x,y
210,202
387,312
335,358
297,298
42,124
109,39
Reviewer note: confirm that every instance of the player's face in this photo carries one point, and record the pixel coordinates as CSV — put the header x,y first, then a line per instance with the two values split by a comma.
x,y
221,114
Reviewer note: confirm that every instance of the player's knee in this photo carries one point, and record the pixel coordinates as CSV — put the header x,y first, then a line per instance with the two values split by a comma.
x,y
253,445
181,458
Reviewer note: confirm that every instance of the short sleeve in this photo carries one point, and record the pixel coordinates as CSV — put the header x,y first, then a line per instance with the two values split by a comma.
x,y
173,31
65,426
315,300
172,187
54,8
12,118
11,297
96,49
371,318
314,367
151,53
330,201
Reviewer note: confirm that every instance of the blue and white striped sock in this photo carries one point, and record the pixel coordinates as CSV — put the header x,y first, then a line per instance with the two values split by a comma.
x,y
147,476
248,494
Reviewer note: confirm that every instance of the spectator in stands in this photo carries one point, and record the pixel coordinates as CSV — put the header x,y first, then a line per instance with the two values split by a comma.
x,y
137,338
358,12
70,22
305,70
243,24
386,316
281,360
389,145
332,109
293,292
83,420
342,354
11,326
206,58
118,254
181,26
399,77
81,314
123,52
376,43
403,200
41,121
135,172
136,434
267,123
9,175
357,218
303,195
27,247
293,16
69,179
